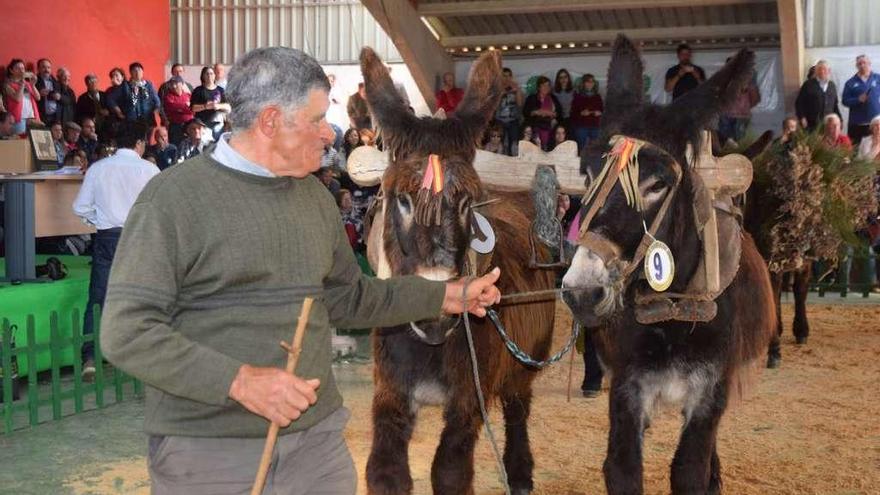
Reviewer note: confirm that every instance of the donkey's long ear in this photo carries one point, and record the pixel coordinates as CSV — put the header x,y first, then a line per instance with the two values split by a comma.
x,y
385,102
625,86
703,104
483,93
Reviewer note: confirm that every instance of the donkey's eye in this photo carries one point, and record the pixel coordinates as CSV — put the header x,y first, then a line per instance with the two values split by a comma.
x,y
404,203
657,187
463,206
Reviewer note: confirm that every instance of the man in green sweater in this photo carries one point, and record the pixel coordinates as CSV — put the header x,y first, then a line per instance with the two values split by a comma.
x,y
215,259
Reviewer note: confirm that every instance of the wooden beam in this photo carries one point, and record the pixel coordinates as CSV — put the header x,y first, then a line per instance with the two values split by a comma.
x,y
791,47
503,7
675,33
423,55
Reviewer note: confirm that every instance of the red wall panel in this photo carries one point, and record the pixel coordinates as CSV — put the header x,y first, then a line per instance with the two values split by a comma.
x,y
89,36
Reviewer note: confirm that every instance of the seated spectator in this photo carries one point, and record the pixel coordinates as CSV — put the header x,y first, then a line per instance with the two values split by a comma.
x,y
586,112
351,140
176,73
66,97
789,129
76,158
57,131
542,111
136,100
47,85
833,135
164,151
20,97
325,175
494,142
353,222
529,135
104,151
869,148
509,111
7,126
209,103
448,96
368,137
88,139
178,111
90,104
72,130
560,135
192,145
358,112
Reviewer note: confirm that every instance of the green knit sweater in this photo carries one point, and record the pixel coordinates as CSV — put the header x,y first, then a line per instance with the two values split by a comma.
x,y
210,273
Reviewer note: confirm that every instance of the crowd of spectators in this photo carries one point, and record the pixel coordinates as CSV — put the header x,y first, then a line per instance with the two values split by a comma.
x,y
182,120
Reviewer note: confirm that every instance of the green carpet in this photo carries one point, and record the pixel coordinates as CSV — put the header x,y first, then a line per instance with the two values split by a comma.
x,y
40,300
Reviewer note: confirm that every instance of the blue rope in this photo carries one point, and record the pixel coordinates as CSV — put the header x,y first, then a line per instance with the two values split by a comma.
x,y
521,355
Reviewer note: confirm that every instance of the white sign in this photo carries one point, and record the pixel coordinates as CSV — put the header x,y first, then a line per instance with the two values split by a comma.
x,y
482,235
659,266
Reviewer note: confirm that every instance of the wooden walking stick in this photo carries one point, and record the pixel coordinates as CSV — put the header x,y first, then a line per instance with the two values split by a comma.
x,y
293,350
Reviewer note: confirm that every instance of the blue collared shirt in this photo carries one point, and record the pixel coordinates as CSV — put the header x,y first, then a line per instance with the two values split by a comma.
x,y
227,156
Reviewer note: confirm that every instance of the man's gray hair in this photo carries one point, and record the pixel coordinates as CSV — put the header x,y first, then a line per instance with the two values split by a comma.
x,y
271,76
831,116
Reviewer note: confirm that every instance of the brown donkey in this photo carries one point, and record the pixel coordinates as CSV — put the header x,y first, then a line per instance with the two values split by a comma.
x,y
424,229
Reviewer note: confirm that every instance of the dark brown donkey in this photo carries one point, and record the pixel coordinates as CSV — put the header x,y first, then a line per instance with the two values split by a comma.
x,y
695,364
427,233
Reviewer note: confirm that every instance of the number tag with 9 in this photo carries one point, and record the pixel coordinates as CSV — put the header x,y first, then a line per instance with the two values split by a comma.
x,y
659,266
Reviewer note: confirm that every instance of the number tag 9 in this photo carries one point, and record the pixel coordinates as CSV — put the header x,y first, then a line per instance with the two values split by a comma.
x,y
659,266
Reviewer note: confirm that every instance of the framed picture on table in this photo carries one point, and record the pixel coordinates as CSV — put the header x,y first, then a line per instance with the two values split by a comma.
x,y
44,149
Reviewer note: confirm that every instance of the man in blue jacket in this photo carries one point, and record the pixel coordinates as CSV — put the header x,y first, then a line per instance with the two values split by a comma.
x,y
861,94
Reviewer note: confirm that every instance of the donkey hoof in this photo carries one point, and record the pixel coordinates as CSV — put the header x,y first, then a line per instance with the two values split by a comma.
x,y
520,491
800,340
773,362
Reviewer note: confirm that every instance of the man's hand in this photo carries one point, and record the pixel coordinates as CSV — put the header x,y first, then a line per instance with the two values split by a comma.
x,y
273,393
481,293
863,97
803,122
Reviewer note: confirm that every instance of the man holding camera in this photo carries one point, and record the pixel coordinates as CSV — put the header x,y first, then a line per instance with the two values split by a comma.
x,y
685,76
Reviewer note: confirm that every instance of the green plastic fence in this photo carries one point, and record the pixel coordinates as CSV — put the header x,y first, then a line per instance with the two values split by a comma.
x,y
34,403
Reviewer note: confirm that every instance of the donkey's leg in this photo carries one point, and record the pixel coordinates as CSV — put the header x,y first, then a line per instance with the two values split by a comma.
x,y
623,464
715,474
800,287
774,353
518,459
692,466
393,420
452,472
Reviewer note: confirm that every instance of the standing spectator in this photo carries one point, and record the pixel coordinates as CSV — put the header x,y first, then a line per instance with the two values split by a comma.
x,y
220,75
177,71
136,99
72,130
509,111
448,97
358,112
66,110
684,76
88,139
869,148
164,151
351,219
91,104
563,90
209,103
817,98
20,97
336,113
833,135
47,86
494,142
735,120
108,192
192,145
861,94
178,111
542,110
57,131
117,77
586,112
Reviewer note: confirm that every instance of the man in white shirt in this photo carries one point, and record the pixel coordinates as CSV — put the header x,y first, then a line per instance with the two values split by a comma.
x,y
109,190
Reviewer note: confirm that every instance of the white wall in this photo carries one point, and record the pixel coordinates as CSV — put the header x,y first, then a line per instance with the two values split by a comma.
x,y
767,115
